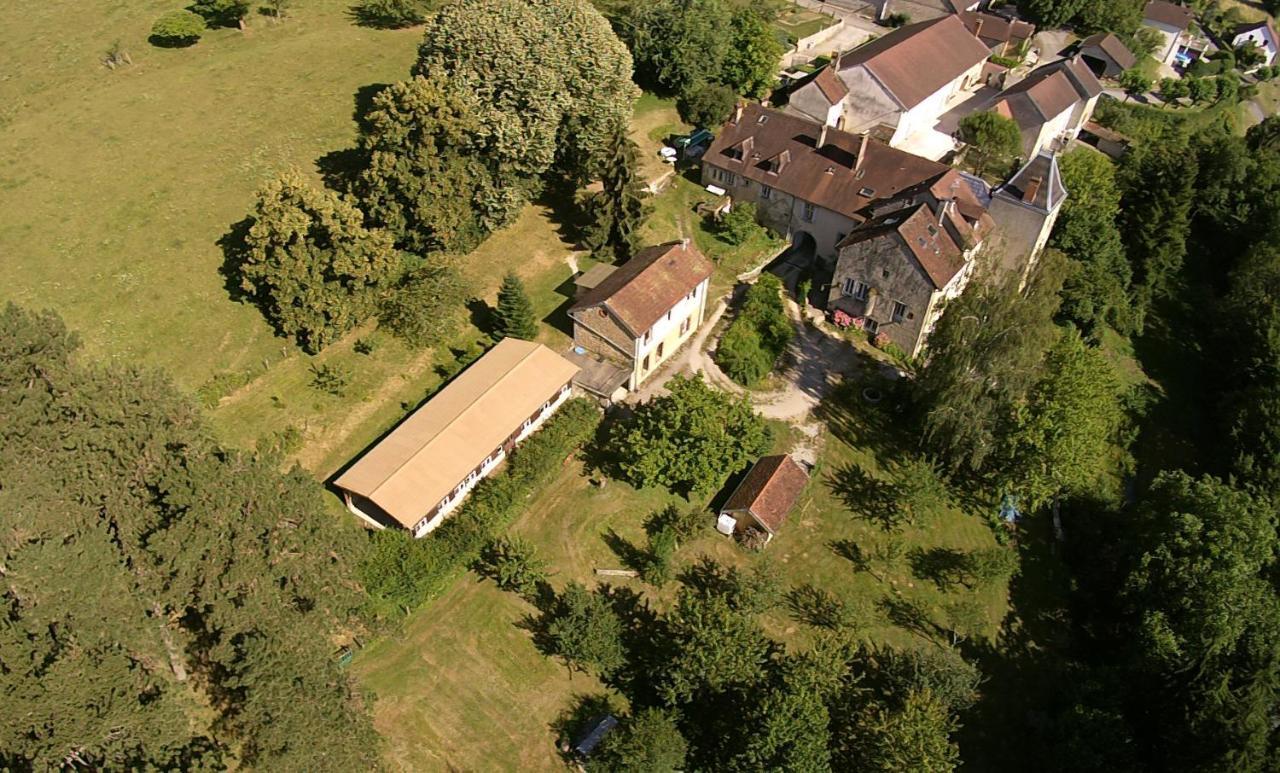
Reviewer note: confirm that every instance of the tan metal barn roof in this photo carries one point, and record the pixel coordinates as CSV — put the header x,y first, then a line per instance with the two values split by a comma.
x,y
431,452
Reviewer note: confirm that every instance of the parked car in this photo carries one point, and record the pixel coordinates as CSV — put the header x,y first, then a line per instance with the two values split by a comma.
x,y
695,144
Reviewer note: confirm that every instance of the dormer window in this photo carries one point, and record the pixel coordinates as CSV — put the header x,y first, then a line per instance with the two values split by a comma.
x,y
763,119
866,192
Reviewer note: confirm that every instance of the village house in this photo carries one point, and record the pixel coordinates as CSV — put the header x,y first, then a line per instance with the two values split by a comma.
x,y
1261,34
815,184
1106,55
419,473
765,497
1173,22
898,85
1051,105
1003,36
1026,208
895,272
637,315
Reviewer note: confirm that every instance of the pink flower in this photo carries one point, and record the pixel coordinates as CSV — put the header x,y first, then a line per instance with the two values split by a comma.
x,y
842,319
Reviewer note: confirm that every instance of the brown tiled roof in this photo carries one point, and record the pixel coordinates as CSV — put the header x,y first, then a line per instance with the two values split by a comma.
x,y
1172,14
769,491
1047,92
830,176
831,86
647,286
924,235
915,61
996,29
1113,47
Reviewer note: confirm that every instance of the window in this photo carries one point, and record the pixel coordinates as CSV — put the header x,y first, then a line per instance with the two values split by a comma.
x,y
899,311
526,424
884,273
660,346
684,326
807,213
644,366
866,193
723,175
766,192
871,326
856,289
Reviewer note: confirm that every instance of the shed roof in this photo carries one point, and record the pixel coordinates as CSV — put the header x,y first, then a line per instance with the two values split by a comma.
x,y
644,288
1047,92
592,277
832,87
1171,14
916,61
412,469
769,491
1114,48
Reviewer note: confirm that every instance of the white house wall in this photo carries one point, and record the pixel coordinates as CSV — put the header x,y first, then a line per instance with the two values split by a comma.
x,y
1262,40
868,104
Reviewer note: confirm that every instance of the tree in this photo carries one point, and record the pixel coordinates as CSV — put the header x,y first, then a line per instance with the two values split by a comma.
x,y
225,13
678,45
707,104
648,742
738,225
514,315
426,307
1135,83
551,83
1157,183
513,564
310,262
995,140
758,334
616,214
712,647
914,737
751,63
177,28
1096,291
985,355
1202,90
585,631
689,439
1049,14
279,9
1066,439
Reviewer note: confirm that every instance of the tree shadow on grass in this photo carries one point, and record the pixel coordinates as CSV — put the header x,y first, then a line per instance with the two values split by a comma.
x,y
559,316
882,427
576,719
633,557
235,253
941,566
866,495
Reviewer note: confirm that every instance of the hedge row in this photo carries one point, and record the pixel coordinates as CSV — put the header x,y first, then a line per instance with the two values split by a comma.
x,y
401,573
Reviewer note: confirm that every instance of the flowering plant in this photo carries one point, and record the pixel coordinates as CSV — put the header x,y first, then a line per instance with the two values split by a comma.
x,y
842,319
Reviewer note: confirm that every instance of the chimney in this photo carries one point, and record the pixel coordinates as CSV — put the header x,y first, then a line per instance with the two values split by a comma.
x,y
884,11
977,28
942,210
822,137
862,152
737,112
1033,187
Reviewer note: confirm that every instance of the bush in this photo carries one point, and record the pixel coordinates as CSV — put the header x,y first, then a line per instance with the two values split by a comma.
x,y
332,379
738,226
707,104
401,572
513,564
426,306
896,20
758,335
177,28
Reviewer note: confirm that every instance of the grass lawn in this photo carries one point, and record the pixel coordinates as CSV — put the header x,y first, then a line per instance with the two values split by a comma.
x,y
799,23
464,686
117,185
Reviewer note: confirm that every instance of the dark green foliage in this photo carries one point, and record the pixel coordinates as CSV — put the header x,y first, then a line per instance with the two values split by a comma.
x,y
392,14
1096,291
616,214
649,742
684,524
662,548
166,601
426,307
585,631
177,28
707,104
985,355
225,13
758,335
1135,83
920,490
739,226
310,263
713,647
750,65
401,573
1119,16
1157,180
514,314
993,139
513,564
974,569
688,440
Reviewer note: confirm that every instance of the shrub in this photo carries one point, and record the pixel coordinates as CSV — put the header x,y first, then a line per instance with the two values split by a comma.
x,y
758,335
330,378
684,524
177,28
742,355
707,104
401,572
738,226
896,20
513,564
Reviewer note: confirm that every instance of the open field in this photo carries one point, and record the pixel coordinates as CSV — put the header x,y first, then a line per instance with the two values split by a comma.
x,y
465,677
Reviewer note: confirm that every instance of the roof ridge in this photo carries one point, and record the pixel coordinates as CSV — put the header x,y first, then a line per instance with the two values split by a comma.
x,y
463,411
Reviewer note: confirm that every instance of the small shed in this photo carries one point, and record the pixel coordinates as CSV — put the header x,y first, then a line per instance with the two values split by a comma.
x,y
587,743
765,497
591,278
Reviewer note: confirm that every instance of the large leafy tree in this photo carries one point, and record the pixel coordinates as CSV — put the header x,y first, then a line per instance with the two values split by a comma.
x,y
1208,621
310,262
751,63
616,214
426,307
1157,181
549,77
648,742
984,357
995,140
585,630
678,44
1065,439
689,439
1096,290
712,647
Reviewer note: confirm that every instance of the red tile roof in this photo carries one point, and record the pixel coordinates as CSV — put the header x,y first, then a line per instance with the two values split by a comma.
x,y
1113,47
930,240
1047,92
916,61
647,286
769,491
993,29
831,86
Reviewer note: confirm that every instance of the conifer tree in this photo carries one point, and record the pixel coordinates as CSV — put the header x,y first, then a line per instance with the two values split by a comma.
x,y
515,312
619,210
